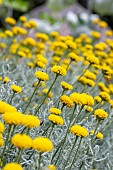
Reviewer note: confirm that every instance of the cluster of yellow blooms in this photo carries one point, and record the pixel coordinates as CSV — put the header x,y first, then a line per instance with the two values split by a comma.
x,y
47,100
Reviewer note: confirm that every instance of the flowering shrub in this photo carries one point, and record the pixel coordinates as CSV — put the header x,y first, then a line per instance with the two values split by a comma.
x,y
56,98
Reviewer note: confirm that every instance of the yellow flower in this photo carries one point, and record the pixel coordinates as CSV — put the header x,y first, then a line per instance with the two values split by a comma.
x,y
88,74
92,59
9,33
58,70
100,114
95,34
6,79
41,36
105,96
66,86
10,21
16,89
40,64
1,140
98,135
66,101
56,119
54,34
97,99
15,118
21,141
12,166
54,110
42,144
31,121
22,18
51,167
4,107
73,57
71,44
79,131
42,76
30,41
2,127
88,108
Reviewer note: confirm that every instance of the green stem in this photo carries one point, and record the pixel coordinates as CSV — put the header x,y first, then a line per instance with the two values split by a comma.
x,y
9,144
82,74
68,65
76,154
11,98
51,130
6,141
63,141
70,153
31,96
59,97
96,83
92,140
78,114
19,156
39,161
37,109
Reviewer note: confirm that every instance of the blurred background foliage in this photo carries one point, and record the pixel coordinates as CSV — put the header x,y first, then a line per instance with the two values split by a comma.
x,y
16,8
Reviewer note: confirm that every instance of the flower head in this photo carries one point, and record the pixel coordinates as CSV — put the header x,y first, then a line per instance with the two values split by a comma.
x,y
59,70
66,101
79,131
99,135
54,110
12,166
5,107
42,144
16,89
100,114
105,96
15,118
51,167
2,128
31,121
21,141
42,76
56,119
66,86
10,21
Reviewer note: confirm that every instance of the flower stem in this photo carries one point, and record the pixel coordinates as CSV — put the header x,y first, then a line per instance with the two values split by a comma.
x,y
51,130
76,153
63,141
11,98
31,96
37,109
39,161
70,153
6,141
82,74
19,156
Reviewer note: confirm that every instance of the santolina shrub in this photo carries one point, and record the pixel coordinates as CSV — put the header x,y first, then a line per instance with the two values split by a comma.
x,y
56,98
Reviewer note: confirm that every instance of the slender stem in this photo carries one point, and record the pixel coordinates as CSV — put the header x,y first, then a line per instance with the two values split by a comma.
x,y
92,140
11,98
78,114
68,65
39,161
6,141
51,130
9,144
82,74
31,96
59,97
63,141
70,153
19,156
46,130
76,153
37,109
96,83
